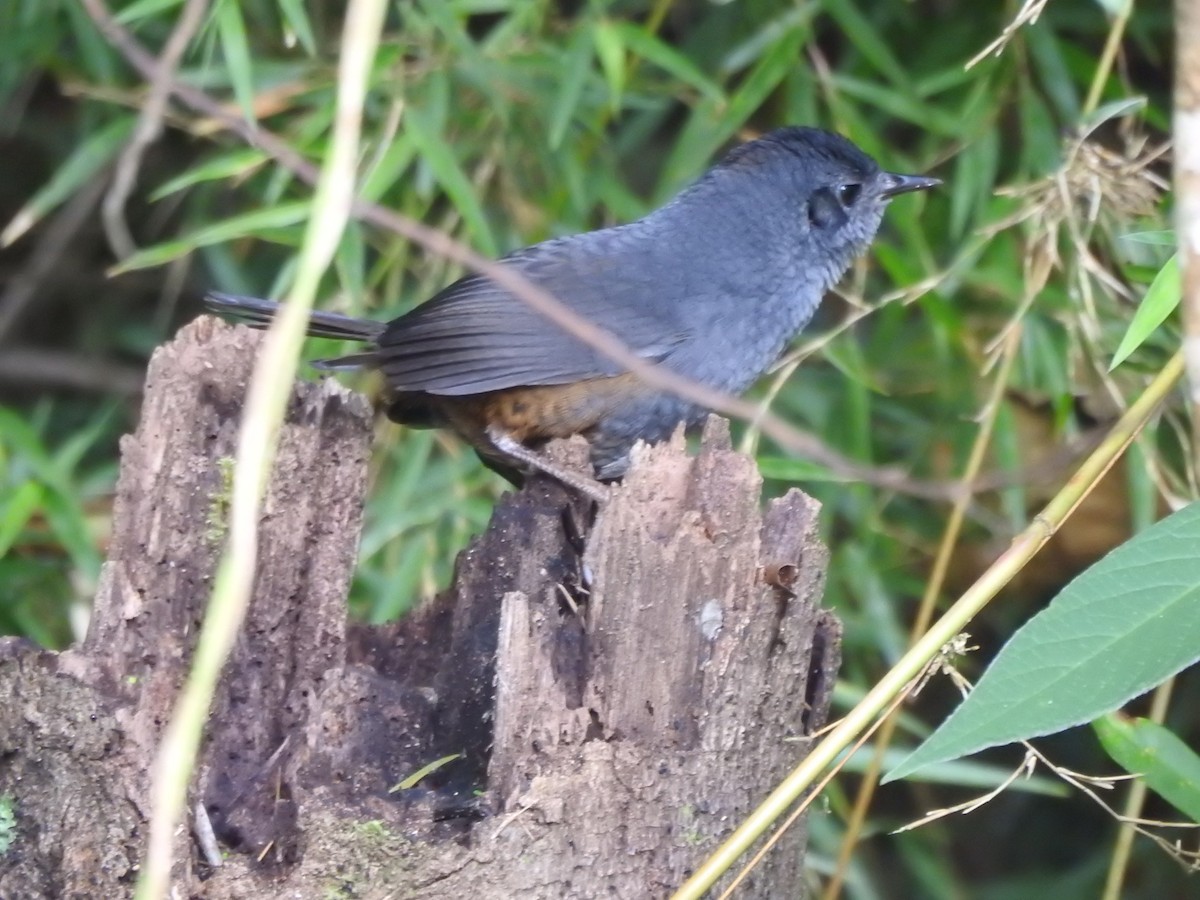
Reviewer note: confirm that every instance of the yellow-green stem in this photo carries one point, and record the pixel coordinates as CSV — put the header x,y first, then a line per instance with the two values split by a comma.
x,y
947,627
1119,863
933,589
265,403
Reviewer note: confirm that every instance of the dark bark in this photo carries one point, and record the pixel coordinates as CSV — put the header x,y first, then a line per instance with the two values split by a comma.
x,y
621,691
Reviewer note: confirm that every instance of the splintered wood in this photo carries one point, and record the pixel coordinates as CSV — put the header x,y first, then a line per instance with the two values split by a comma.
x,y
620,687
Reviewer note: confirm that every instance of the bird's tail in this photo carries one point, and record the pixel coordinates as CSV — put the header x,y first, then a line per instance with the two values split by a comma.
x,y
258,314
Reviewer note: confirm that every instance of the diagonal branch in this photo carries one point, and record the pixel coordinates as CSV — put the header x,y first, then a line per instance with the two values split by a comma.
x,y
795,440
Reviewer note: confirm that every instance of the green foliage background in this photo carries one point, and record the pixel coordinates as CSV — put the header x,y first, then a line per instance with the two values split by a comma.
x,y
505,122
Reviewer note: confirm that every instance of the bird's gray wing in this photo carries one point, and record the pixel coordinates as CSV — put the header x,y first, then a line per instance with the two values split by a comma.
x,y
475,336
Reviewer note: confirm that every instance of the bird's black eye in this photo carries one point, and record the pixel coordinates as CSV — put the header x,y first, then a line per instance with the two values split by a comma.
x,y
848,194
825,210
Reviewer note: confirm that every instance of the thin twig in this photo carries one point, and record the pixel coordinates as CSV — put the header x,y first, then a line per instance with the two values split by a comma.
x,y
44,367
1027,15
149,127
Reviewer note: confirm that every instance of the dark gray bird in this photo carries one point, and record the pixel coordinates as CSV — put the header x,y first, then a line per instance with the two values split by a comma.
x,y
712,286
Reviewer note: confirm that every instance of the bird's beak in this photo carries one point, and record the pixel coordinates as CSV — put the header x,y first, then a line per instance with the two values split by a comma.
x,y
894,184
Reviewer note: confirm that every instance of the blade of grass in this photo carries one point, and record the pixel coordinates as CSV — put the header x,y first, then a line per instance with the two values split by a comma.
x,y
265,403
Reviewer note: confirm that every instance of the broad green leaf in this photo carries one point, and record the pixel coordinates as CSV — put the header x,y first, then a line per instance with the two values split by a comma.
x,y
1126,624
1160,301
1050,58
90,49
1169,767
253,222
87,159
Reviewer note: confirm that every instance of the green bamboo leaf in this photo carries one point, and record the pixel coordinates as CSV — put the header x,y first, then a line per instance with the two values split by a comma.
x,y
388,168
17,433
1113,110
1125,625
351,262
144,9
88,158
234,164
18,507
415,778
782,468
253,222
711,124
651,48
899,104
297,21
575,66
974,180
1169,767
68,521
610,49
1154,238
760,41
69,454
91,52
863,35
1160,301
442,162
231,28
847,357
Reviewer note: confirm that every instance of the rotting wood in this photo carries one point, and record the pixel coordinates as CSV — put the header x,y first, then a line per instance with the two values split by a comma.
x,y
618,708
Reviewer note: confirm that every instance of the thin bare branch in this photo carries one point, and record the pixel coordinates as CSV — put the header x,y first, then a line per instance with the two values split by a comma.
x,y
149,127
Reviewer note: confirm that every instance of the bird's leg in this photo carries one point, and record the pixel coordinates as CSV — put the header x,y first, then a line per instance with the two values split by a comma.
x,y
511,447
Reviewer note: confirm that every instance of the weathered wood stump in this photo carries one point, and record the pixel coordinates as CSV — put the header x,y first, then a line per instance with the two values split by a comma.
x,y
623,685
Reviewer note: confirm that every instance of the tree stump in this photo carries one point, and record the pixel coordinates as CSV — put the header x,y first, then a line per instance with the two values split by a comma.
x,y
621,686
